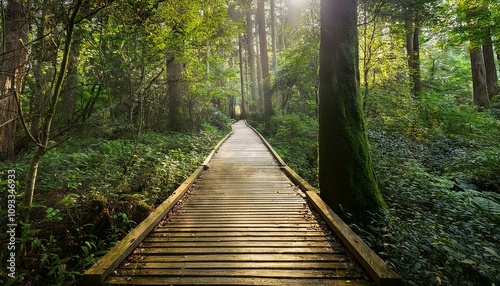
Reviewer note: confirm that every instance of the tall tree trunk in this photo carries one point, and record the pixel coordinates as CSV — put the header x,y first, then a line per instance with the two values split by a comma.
x,y
490,67
260,86
413,52
251,57
346,177
174,77
416,77
264,59
242,80
42,89
12,64
273,36
68,93
409,43
480,89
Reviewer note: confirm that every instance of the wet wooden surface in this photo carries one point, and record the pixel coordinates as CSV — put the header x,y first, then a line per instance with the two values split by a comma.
x,y
243,223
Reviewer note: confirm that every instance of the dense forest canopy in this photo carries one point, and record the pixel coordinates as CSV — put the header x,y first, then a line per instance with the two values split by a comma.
x,y
106,106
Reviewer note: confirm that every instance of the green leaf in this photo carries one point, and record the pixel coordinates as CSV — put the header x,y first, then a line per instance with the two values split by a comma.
x,y
491,251
468,261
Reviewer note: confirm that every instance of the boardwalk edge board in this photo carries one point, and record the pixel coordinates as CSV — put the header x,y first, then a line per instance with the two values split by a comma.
x,y
275,155
205,163
378,270
99,272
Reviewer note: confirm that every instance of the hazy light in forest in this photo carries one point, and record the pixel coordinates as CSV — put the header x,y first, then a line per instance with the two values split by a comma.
x,y
297,3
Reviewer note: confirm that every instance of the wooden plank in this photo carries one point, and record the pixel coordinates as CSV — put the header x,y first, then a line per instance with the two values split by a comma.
x,y
283,244
289,204
204,233
232,250
98,273
245,203
237,215
257,273
245,176
234,238
228,212
218,220
248,257
241,198
153,281
205,163
240,265
248,189
275,154
235,229
272,207
302,225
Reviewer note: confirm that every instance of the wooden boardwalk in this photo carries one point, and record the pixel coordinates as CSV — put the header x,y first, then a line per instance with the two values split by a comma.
x,y
241,222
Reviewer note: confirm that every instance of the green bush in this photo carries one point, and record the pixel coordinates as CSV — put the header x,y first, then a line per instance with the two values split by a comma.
x,y
295,140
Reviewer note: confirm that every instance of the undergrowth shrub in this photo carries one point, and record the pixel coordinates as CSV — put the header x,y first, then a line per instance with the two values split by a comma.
x,y
438,230
295,140
91,191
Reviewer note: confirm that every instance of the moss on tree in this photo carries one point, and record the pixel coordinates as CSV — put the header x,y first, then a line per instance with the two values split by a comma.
x,y
346,178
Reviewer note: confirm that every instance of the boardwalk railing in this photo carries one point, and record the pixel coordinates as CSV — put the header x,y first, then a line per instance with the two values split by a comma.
x,y
370,262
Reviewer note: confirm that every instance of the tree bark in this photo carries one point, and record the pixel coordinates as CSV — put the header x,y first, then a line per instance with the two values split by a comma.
x,y
260,88
416,76
251,57
490,68
243,114
346,177
264,59
68,93
174,77
413,52
12,64
480,89
273,36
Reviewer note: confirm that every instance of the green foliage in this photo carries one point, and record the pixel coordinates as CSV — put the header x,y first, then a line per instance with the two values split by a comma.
x,y
296,141
446,70
297,82
439,225
92,191
435,228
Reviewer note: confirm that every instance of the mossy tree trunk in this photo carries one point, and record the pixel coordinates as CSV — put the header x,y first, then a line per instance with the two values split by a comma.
x,y
489,65
174,77
478,70
346,178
